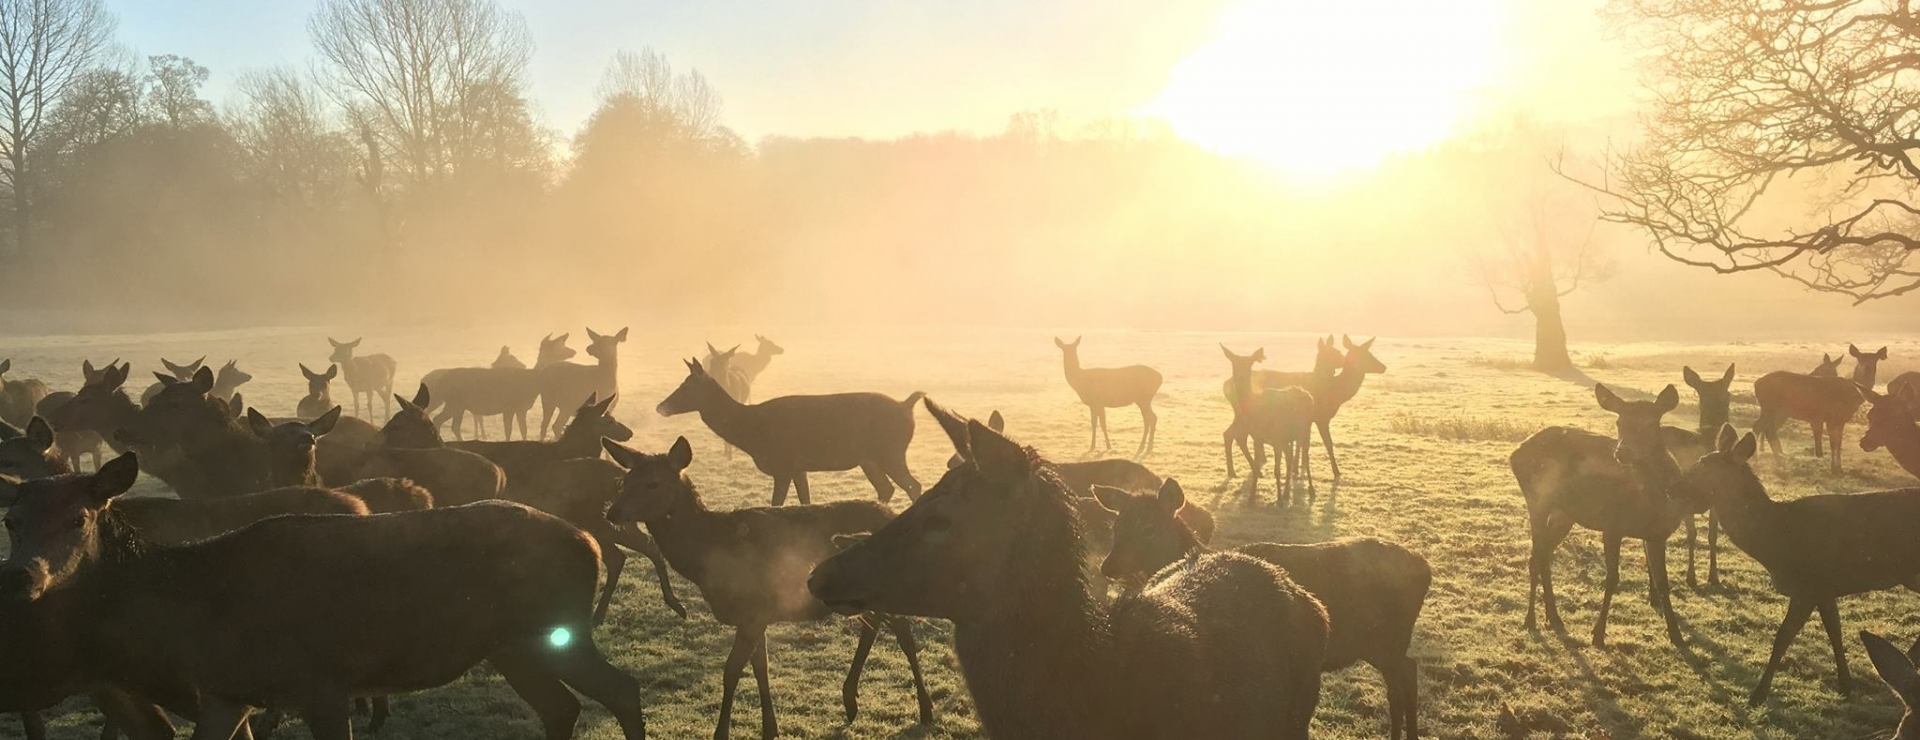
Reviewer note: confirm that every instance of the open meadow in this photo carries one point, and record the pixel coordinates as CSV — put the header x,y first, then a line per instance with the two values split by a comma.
x,y
1423,449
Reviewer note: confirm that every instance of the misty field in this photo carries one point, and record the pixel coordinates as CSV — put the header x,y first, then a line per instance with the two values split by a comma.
x,y
1423,449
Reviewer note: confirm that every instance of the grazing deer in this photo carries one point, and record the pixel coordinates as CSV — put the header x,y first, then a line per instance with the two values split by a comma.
x,y
1223,647
368,375
1816,548
751,565
1716,402
1327,360
178,372
1899,671
1891,423
1102,388
790,436
19,399
1373,589
1866,365
1572,476
1825,403
497,582
318,399
564,385
1904,384
1829,366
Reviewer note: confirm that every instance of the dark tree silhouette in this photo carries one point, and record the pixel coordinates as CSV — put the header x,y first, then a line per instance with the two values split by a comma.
x,y
1547,251
46,46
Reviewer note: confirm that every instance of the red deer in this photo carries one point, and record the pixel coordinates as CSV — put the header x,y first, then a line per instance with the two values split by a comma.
x,y
19,399
1904,384
496,582
1102,388
1716,401
1891,423
291,446
218,456
228,380
507,388
1341,388
751,565
318,399
756,363
1899,671
178,372
1800,542
1572,476
454,477
1222,647
721,366
790,436
564,385
1327,360
1240,393
366,375
1282,418
74,443
1866,365
1829,366
1373,589
1825,403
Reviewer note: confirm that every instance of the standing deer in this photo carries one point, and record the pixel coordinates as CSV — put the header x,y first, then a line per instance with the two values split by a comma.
x,y
318,400
1336,392
1901,671
1240,393
1282,418
1866,365
1905,383
366,375
73,443
1326,361
1102,388
565,385
1825,403
228,380
179,372
1225,648
19,399
1891,423
1829,366
1716,402
754,364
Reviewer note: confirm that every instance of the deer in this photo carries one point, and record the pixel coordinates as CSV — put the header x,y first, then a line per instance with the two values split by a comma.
x,y
1796,541
318,399
1239,392
176,371
217,455
731,377
751,565
19,399
1327,360
228,380
1716,402
1225,646
290,449
1904,384
368,375
1373,589
497,582
563,385
1892,423
454,477
507,388
1866,365
1571,476
1282,418
1829,366
1102,388
74,443
1825,403
1899,670
754,364
790,436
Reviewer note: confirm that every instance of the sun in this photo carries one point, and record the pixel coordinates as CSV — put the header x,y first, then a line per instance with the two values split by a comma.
x,y
1325,86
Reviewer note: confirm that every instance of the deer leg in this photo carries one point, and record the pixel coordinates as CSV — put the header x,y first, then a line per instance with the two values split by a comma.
x,y
1713,548
850,689
1612,546
1149,421
629,536
1818,433
1306,463
1293,464
800,487
1226,442
141,719
1830,617
1834,431
878,478
901,474
780,484
746,639
220,719
330,719
1326,438
33,726
546,416
1660,589
1106,432
382,709
1093,427
1798,609
1692,582
769,727
583,668
616,561
543,691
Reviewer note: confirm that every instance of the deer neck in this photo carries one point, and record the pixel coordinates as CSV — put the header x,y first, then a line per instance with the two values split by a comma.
x,y
1070,364
1747,513
687,532
1342,387
1904,444
725,416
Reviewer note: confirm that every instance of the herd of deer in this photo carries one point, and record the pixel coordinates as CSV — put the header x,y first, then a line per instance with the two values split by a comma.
x,y
312,563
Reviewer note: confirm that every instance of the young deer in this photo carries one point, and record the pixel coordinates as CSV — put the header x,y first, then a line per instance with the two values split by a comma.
x,y
291,446
1341,388
790,436
1572,476
1716,402
1825,403
1891,423
1816,548
366,375
1240,393
318,399
1901,674
19,399
179,373
1102,388
1282,418
1866,365
1373,589
1225,647
564,385
1327,360
1829,366
751,565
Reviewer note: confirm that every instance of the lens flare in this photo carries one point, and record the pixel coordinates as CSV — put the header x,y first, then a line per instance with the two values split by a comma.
x,y
560,637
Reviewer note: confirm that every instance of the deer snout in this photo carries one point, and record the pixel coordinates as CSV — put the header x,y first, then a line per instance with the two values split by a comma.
x,y
23,581
828,584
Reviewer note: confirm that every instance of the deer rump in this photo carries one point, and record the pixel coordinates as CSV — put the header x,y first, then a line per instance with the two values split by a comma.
x,y
831,432
453,587
1808,397
485,391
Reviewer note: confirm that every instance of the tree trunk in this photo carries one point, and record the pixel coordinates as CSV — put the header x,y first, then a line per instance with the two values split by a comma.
x,y
22,212
1549,335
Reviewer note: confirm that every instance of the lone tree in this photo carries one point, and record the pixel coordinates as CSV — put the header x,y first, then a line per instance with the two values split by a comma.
x,y
1547,250
46,47
1782,135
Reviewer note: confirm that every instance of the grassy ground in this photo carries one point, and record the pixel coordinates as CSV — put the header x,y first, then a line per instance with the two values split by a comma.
x,y
1423,449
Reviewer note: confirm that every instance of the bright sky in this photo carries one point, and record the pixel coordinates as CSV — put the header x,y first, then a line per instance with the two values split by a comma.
x,y
1312,85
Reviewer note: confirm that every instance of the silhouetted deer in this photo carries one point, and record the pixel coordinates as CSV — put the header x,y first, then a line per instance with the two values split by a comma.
x,y
1891,423
1716,401
1817,548
179,373
497,582
1866,365
1904,384
790,436
291,446
564,385
1240,394
506,360
1829,366
74,443
455,477
751,565
366,375
318,399
1354,368
1282,418
507,388
1825,403
756,363
19,399
1373,589
1572,476
1326,361
1899,671
218,456
228,380
1102,388
731,377
1223,647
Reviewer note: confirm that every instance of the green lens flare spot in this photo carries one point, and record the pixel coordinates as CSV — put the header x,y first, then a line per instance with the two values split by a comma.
x,y
560,637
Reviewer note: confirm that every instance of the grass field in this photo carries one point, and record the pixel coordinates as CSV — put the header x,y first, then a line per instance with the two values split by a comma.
x,y
1423,449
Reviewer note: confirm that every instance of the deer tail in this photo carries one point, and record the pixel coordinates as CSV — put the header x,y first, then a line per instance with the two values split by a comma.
x,y
913,398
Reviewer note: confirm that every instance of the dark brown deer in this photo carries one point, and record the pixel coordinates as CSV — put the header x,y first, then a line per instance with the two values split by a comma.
x,y
366,375
178,372
1891,423
291,446
318,399
1899,671
1373,589
790,436
1904,384
1829,366
1716,402
73,444
1800,542
1223,647
454,477
497,582
1572,476
19,399
1102,388
751,565
564,385
1866,365
1825,403
218,456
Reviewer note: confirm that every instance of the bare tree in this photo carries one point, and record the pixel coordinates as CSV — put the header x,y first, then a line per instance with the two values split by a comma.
x,y
684,102
1751,93
1547,251
45,47
173,91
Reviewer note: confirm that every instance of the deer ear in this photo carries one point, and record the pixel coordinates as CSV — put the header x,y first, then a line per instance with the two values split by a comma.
x,y
404,403
165,379
332,370
309,374
40,433
1894,667
7,431
1744,449
622,455
5,365
593,399
1368,345
711,350
1346,341
203,379
1728,378
1855,351
1692,378
1260,354
1172,497
330,340
1110,498
996,422
1668,400
591,335
86,367
681,454
1882,354
1227,352
1606,397
954,426
114,478
1726,439
997,456
423,397
115,379
607,404
324,424
1056,343
622,336
259,424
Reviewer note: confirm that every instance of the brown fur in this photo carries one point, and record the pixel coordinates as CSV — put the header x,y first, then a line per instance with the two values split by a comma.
x,y
1866,365
19,399
1716,402
508,388
564,385
751,566
1905,384
1827,404
1102,388
319,397
366,375
454,477
1899,671
1281,418
1891,423
1244,384
178,373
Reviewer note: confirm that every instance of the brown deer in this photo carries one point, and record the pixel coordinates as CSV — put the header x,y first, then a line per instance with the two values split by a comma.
x,y
1327,360
178,373
732,377
1373,589
1825,403
1282,418
19,399
366,375
218,456
1892,423
1899,671
1572,476
1102,388
1240,394
455,477
291,446
507,388
1866,365
790,436
228,380
564,385
1829,366
1223,647
74,443
497,582
1333,393
751,565
1800,542
1904,384
756,363
318,399
1716,402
